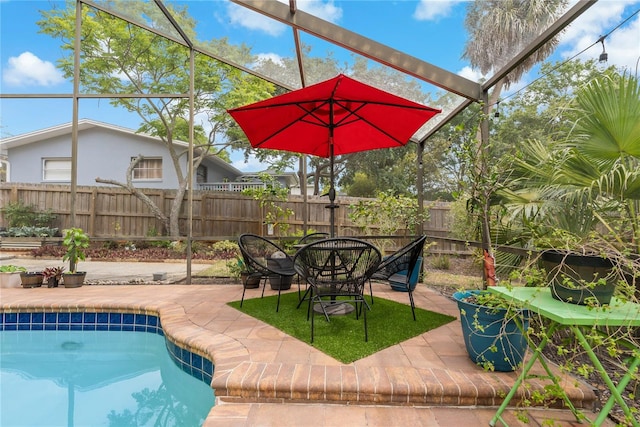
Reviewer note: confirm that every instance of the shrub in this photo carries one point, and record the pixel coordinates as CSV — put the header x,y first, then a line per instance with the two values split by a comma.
x,y
441,262
29,231
224,249
164,243
19,215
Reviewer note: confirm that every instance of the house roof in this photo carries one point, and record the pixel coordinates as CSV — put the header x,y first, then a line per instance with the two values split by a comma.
x,y
84,124
291,178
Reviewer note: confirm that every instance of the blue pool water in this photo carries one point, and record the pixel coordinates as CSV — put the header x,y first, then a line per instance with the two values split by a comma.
x,y
95,378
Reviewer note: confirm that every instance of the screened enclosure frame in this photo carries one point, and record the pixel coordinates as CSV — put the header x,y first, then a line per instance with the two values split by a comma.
x,y
301,22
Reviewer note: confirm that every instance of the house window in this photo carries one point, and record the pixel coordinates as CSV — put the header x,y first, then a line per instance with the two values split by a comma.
x,y
56,169
148,169
201,174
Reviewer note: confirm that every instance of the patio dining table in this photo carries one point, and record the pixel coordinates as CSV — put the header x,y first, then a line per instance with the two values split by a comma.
x,y
574,318
333,268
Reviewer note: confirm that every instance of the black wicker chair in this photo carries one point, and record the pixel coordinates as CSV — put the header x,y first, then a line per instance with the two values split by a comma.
x,y
257,253
398,268
337,271
305,240
313,237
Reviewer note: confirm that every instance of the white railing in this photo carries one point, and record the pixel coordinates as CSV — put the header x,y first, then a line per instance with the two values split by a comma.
x,y
228,186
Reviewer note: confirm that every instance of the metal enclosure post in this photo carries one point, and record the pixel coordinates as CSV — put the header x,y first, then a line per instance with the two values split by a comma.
x,y
74,120
190,166
420,187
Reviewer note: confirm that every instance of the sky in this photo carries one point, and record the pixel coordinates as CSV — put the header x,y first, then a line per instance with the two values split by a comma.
x,y
431,30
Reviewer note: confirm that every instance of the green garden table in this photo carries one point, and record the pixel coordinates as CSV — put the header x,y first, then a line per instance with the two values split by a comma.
x,y
573,317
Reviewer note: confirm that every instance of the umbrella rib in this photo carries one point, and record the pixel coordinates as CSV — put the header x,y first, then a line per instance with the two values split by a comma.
x,y
325,100
354,113
301,119
312,112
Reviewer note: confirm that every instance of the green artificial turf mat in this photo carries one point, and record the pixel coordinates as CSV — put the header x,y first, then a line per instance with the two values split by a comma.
x,y
342,338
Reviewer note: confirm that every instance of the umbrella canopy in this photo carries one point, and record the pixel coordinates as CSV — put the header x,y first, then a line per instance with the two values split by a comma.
x,y
331,118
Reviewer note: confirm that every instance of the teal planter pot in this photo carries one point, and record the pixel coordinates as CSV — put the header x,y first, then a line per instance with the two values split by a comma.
x,y
492,338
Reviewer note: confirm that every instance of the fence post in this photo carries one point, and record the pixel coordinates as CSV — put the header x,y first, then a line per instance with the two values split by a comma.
x,y
92,213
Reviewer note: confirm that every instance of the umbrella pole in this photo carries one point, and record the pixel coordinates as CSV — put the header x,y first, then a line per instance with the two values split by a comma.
x,y
332,193
302,174
332,190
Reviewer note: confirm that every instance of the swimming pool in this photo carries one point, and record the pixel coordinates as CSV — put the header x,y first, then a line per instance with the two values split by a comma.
x,y
93,369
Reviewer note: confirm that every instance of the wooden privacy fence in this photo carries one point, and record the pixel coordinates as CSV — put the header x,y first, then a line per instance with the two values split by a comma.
x,y
113,212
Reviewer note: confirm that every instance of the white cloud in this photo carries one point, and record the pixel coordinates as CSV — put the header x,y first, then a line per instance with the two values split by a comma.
x,y
622,45
430,10
250,165
243,17
29,70
324,10
469,73
273,57
246,18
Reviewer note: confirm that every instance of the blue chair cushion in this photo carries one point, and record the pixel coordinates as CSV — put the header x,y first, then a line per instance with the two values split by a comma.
x,y
398,281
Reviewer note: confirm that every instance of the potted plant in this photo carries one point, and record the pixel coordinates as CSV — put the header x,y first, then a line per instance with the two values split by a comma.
x,y
250,280
492,329
31,279
75,241
52,275
279,261
238,270
10,276
581,268
576,278
270,197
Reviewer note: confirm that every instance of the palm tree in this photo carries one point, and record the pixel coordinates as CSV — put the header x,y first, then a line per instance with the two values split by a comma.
x,y
500,29
587,185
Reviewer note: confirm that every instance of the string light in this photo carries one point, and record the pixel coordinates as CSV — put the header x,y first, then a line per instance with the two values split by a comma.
x,y
603,55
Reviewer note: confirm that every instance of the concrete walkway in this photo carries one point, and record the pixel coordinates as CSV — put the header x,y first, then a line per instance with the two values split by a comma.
x,y
106,272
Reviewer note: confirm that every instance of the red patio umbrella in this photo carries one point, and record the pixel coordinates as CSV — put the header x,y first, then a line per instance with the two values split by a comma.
x,y
338,116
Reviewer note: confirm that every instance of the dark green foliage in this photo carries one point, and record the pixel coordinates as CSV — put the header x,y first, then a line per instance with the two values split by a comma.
x,y
18,214
29,231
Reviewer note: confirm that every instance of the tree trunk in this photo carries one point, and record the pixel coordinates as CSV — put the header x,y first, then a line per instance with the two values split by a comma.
x,y
174,214
483,194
